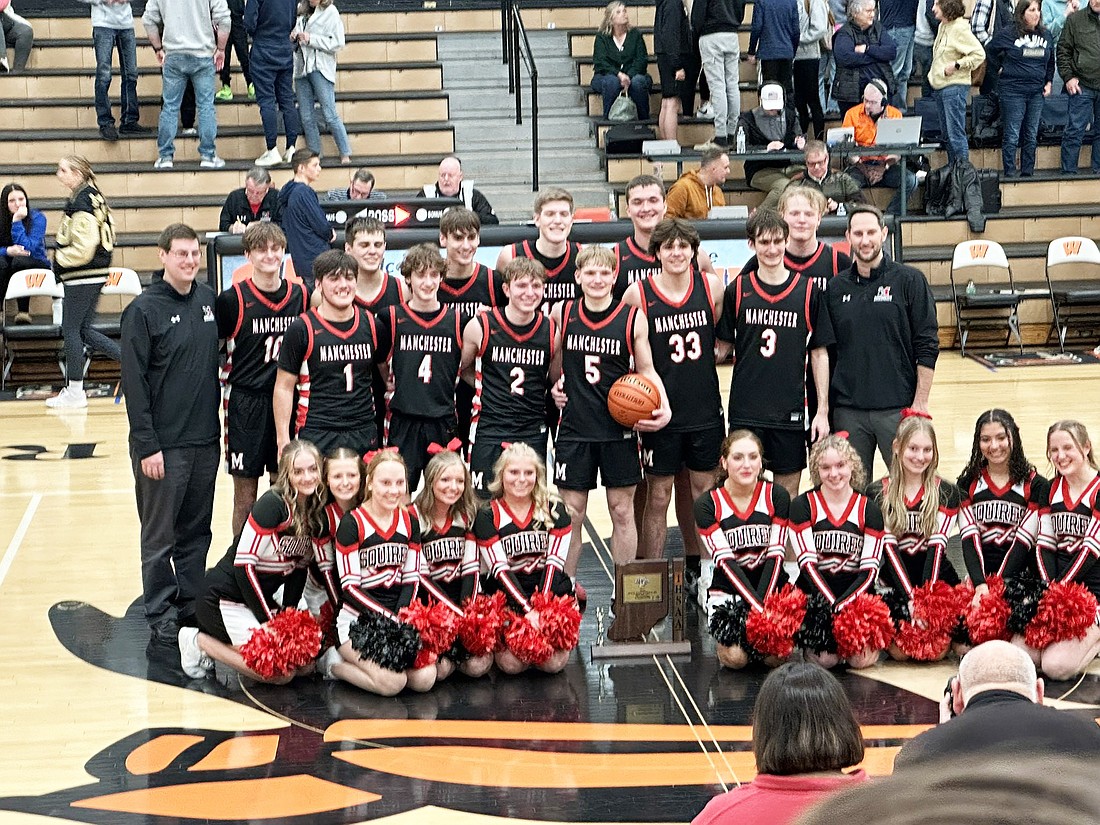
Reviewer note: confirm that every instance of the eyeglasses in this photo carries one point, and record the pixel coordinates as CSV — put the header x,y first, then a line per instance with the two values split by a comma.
x,y
184,254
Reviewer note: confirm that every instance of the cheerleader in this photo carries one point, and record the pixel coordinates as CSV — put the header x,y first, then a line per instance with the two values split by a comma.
x,y
743,525
999,489
344,479
448,560
273,552
378,558
1069,540
523,536
919,510
837,534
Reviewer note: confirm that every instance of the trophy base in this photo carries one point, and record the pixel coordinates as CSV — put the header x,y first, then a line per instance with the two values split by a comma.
x,y
631,650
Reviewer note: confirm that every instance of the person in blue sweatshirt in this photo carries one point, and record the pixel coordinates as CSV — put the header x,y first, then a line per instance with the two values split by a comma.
x,y
271,63
22,242
774,41
308,232
1023,55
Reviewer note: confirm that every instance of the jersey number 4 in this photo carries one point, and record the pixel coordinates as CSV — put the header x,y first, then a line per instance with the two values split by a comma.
x,y
424,371
685,347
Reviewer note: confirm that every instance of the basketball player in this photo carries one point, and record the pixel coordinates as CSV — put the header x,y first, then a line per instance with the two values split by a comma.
x,y
252,316
425,344
328,356
552,248
512,350
601,340
682,307
773,319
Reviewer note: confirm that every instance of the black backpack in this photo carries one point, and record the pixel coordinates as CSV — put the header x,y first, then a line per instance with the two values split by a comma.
x,y
985,122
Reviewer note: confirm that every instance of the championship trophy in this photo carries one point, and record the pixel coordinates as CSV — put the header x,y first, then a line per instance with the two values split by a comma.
x,y
645,593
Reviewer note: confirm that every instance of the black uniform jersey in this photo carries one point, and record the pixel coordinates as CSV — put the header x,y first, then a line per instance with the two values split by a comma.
x,y
388,296
838,553
482,290
512,374
334,362
914,558
681,336
561,281
1069,535
772,328
632,264
252,322
379,564
524,554
994,520
597,350
448,559
425,353
821,265
747,547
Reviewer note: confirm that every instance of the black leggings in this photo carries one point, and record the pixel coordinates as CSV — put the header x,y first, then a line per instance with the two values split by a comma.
x,y
238,42
806,98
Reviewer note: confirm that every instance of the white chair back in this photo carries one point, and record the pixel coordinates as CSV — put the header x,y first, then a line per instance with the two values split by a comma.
x,y
31,282
122,281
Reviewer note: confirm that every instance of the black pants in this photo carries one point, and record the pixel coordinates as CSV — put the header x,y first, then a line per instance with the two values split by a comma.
x,y
238,42
9,266
806,98
781,72
76,327
20,37
694,79
175,514
187,107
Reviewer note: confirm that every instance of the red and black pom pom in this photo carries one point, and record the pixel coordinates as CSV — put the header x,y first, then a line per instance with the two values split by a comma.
x,y
936,611
1066,611
390,644
291,640
481,627
863,624
988,620
771,631
816,633
526,642
559,620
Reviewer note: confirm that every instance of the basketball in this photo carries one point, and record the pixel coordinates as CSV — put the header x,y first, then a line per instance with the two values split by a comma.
x,y
632,398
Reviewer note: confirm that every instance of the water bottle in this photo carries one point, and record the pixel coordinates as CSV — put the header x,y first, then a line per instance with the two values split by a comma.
x,y
970,288
841,210
611,206
58,310
740,140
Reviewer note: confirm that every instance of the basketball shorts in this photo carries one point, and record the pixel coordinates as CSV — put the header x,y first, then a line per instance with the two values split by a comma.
x,y
576,463
784,450
665,453
412,435
485,451
361,439
250,443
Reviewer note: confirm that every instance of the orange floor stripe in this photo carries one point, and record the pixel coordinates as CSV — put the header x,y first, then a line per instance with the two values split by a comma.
x,y
247,799
240,752
157,754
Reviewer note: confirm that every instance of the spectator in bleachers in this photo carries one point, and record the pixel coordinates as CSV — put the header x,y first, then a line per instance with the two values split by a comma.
x,y
774,41
113,28
837,187
864,51
877,170
256,201
1055,13
238,44
717,22
1079,64
271,61
986,19
697,191
619,61
319,34
19,36
924,37
838,11
955,56
188,37
804,737
451,184
22,242
672,47
770,127
899,19
308,232
85,240
361,187
1024,54
813,25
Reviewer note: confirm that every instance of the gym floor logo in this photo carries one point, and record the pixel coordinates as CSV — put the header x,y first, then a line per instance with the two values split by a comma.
x,y
587,745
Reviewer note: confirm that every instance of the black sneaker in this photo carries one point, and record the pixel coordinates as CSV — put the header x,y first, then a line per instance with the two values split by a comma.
x,y
108,132
134,129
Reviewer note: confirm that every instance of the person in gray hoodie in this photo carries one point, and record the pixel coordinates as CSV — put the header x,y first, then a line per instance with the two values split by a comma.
x,y
113,28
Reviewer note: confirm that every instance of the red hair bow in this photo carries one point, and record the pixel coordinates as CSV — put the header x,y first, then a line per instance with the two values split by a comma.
x,y
841,434
372,453
504,445
908,412
451,446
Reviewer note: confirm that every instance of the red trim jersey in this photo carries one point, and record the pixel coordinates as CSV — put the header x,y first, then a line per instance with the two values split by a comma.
x,y
838,553
821,266
482,290
561,280
252,322
524,554
425,354
449,563
1069,535
334,362
632,264
389,295
323,570
914,558
597,350
511,376
379,565
747,547
997,534
681,336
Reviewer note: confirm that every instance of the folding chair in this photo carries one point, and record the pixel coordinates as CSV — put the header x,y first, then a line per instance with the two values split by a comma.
x,y
28,283
993,304
1073,263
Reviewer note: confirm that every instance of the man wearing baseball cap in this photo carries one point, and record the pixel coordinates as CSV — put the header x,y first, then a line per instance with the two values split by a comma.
x,y
770,127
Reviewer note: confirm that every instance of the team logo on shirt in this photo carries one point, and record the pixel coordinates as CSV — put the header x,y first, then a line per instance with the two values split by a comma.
x,y
883,294
207,314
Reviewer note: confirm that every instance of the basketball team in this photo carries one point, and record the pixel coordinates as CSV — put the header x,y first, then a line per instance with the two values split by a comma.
x,y
454,380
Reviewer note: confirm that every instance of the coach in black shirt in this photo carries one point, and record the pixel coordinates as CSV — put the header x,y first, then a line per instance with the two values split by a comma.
x,y
170,379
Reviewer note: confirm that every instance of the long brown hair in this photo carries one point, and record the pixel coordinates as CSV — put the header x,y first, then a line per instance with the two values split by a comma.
x,y
463,509
341,454
895,512
306,512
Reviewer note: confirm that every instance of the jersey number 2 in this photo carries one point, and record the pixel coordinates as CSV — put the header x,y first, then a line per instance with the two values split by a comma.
x,y
516,387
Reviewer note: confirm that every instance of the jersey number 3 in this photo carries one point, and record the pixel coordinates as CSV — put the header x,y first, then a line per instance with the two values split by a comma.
x,y
767,343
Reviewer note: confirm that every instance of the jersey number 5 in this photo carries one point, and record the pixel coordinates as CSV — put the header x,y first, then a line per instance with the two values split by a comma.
x,y
592,369
685,346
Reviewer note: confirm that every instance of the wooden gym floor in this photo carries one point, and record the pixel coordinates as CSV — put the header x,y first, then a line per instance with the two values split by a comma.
x,y
93,731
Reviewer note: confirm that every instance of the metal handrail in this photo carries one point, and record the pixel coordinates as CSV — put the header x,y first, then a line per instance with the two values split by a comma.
x,y
513,36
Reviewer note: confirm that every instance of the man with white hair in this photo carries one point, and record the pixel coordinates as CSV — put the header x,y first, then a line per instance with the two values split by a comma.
x,y
452,184
996,704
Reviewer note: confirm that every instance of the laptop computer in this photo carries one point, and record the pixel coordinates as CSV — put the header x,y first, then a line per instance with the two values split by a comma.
x,y
898,131
840,134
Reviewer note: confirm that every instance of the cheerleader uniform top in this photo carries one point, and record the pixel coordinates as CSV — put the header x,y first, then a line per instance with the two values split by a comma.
x,y
379,564
998,537
448,560
323,570
912,558
1069,535
747,546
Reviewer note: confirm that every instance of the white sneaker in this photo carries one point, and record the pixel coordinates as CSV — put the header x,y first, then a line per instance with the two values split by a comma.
x,y
329,659
269,158
4,64
706,111
68,399
163,163
288,156
212,163
196,664
920,175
